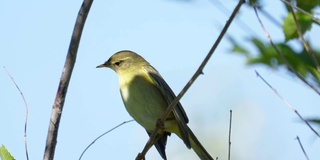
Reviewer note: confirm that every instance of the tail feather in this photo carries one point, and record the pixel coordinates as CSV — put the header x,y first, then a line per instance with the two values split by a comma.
x,y
198,148
161,144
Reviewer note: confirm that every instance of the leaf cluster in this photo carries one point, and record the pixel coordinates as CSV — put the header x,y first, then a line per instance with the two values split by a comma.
x,y
295,26
300,60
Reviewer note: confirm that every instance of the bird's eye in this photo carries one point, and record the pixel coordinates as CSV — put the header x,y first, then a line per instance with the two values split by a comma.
x,y
118,63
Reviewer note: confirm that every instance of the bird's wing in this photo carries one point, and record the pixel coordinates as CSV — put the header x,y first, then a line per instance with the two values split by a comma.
x,y
178,111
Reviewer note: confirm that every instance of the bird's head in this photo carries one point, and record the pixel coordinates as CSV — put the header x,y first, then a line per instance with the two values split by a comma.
x,y
124,61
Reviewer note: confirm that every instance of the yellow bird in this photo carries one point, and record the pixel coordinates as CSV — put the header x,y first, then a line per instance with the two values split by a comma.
x,y
146,97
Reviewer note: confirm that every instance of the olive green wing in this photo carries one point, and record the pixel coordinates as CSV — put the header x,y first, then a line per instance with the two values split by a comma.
x,y
178,111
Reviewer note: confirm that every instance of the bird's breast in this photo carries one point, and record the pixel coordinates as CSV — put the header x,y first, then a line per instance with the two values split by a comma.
x,y
142,99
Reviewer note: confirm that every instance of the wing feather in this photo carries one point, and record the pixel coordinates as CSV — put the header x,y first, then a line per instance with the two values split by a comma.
x,y
178,111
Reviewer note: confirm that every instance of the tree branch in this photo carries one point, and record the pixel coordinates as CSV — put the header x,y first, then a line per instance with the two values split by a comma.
x,y
64,81
229,148
301,146
289,105
27,110
125,122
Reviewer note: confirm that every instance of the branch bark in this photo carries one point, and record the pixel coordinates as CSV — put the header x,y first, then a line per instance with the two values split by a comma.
x,y
64,81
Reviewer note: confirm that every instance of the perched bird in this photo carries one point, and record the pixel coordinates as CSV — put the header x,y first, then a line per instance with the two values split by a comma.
x,y
146,97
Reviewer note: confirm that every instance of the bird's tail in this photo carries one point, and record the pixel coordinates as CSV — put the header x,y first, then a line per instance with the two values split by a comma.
x,y
197,147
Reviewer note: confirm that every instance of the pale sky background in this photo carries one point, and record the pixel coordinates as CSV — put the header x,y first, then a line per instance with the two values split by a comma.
x,y
174,36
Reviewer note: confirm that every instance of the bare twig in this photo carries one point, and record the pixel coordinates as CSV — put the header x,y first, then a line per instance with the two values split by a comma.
x,y
229,149
305,45
304,152
288,105
103,135
302,11
282,56
64,81
26,119
190,82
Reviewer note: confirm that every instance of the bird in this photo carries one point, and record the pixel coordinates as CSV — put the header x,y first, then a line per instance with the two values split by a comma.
x,y
146,97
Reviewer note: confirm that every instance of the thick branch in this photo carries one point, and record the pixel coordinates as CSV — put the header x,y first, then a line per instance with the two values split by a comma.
x,y
64,81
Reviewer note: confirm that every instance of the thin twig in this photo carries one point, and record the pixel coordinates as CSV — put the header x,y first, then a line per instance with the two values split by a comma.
x,y
103,135
302,11
288,105
282,56
190,82
305,45
229,149
26,119
64,81
304,152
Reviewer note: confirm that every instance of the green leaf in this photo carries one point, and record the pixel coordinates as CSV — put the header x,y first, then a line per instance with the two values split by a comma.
x,y
290,28
5,154
308,5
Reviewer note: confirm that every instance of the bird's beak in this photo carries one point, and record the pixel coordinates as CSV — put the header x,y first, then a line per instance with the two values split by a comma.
x,y
103,65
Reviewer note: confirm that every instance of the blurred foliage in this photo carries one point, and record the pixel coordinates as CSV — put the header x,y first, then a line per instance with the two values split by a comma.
x,y
308,5
268,56
314,121
301,61
289,26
